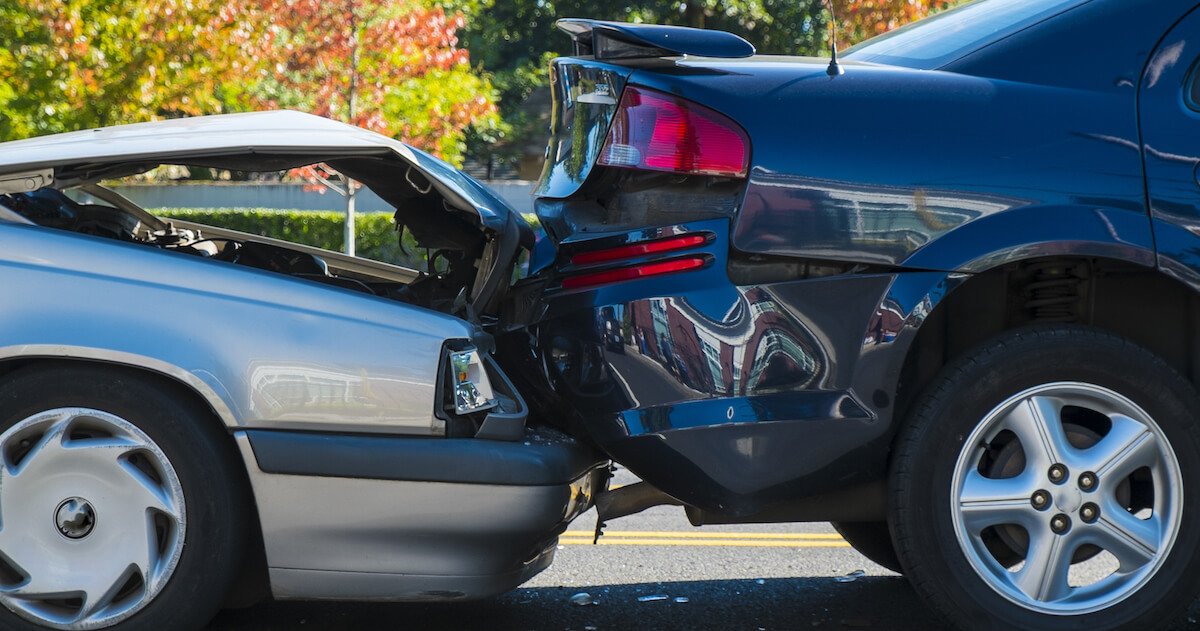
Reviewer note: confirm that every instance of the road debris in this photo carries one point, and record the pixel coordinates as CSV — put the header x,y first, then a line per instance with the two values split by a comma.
x,y
849,578
583,599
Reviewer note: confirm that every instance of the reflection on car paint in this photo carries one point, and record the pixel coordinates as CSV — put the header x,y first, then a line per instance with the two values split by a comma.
x,y
755,349
324,393
805,216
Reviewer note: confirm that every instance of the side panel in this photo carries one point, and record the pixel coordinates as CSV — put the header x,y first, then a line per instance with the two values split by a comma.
x,y
272,351
870,188
1170,118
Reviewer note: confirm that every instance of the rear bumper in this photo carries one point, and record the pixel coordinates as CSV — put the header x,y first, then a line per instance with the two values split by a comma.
x,y
407,519
732,398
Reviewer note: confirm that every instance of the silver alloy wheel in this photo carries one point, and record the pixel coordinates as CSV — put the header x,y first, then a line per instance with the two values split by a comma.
x,y
1071,501
92,519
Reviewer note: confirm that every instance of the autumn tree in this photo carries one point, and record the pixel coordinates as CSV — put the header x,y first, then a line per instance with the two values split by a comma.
x,y
74,64
862,19
392,67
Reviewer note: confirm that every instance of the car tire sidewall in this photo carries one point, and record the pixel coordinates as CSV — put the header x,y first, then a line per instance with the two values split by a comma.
x,y
871,539
192,442
957,402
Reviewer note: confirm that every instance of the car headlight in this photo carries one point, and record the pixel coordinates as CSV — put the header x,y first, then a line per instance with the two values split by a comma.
x,y
472,390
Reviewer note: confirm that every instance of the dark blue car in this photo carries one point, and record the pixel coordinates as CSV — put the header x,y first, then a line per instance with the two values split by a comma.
x,y
942,292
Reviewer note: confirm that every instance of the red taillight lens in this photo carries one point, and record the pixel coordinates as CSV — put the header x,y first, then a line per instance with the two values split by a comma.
x,y
656,131
640,249
635,272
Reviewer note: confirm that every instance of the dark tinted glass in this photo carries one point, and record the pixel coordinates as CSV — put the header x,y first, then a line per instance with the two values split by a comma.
x,y
942,38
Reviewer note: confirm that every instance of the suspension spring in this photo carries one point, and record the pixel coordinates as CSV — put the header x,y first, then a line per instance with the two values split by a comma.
x,y
1053,295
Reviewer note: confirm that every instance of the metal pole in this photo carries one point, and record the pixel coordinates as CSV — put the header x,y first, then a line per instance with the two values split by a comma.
x,y
348,235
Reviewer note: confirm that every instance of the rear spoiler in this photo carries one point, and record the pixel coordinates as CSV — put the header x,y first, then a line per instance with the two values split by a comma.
x,y
622,40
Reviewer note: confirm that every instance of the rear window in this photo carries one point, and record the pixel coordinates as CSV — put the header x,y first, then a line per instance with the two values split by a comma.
x,y
945,37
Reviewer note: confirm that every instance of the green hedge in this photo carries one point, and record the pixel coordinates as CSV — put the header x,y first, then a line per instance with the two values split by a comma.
x,y
376,237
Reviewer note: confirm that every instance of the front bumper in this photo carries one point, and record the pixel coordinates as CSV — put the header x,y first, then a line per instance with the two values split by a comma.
x,y
408,519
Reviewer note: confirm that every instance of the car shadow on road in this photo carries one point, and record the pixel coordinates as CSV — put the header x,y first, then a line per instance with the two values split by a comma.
x,y
767,604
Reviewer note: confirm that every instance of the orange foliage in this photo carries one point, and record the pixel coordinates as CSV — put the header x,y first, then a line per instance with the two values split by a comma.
x,y
862,19
345,59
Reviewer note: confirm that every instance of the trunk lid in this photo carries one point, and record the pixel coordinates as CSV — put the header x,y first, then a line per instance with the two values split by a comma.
x,y
432,198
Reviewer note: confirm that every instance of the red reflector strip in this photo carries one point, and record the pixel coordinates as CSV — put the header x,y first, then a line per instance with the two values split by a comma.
x,y
639,249
633,273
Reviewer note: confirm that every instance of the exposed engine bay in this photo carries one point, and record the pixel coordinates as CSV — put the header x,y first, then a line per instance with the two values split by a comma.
x,y
455,247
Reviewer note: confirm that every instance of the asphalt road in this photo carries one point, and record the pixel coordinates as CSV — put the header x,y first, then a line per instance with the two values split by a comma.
x,y
654,571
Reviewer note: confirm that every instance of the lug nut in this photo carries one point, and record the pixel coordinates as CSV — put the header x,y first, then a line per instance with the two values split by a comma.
x,y
1060,524
1089,513
1058,473
1040,499
1087,481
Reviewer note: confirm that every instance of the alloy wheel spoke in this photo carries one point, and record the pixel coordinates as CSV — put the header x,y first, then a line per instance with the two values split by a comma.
x,y
1134,542
1038,425
985,502
1128,446
1044,577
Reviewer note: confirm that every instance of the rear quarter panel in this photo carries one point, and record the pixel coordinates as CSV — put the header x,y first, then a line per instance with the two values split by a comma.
x,y
876,164
265,351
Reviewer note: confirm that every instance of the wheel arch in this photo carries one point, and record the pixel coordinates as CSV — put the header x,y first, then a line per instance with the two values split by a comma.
x,y
207,394
1137,302
252,583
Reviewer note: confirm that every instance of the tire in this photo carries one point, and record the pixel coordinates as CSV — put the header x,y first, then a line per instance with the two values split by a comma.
x,y
872,540
993,534
96,462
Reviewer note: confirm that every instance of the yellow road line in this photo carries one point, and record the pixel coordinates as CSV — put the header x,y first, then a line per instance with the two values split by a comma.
x,y
709,535
733,539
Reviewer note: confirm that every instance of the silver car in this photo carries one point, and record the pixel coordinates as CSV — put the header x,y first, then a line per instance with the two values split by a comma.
x,y
191,416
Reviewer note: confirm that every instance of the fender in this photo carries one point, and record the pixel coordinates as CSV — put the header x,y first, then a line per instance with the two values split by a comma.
x,y
203,384
1041,230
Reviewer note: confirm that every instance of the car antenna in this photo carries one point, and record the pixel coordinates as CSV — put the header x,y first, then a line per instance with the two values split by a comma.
x,y
834,68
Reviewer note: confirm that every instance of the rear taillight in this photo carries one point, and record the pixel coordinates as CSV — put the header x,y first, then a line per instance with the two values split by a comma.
x,y
639,269
659,132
